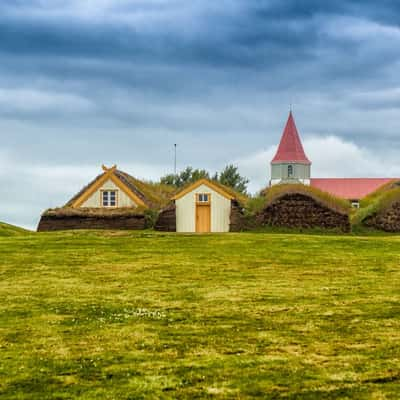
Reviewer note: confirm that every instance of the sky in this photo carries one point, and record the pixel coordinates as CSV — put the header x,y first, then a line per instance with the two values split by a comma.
x,y
87,82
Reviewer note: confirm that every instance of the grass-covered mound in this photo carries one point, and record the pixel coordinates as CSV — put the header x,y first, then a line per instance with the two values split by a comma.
x,y
92,315
11,230
324,198
372,197
380,211
301,206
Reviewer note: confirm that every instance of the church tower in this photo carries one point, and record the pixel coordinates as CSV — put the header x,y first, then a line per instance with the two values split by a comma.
x,y
290,164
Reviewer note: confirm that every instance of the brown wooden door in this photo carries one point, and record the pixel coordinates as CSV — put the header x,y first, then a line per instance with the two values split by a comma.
x,y
203,218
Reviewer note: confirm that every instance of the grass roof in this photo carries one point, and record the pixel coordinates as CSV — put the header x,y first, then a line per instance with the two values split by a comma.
x,y
93,212
377,204
278,191
368,200
155,195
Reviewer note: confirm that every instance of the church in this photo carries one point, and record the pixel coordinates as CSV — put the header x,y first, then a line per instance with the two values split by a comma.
x,y
291,165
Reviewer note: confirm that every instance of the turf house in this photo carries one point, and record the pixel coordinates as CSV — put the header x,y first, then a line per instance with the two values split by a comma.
x,y
202,207
113,200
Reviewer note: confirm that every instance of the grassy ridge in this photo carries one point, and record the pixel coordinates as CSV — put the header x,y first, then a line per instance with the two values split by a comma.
x,y
275,192
375,204
118,315
11,230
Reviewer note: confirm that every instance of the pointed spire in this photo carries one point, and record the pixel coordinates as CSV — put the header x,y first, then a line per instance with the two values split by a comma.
x,y
290,148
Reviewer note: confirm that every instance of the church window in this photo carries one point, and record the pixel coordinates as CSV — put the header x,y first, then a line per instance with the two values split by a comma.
x,y
109,198
290,171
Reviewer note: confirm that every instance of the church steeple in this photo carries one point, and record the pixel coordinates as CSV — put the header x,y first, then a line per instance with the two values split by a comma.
x,y
290,147
290,164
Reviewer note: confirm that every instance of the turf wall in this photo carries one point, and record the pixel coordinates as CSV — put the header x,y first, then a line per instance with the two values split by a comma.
x,y
297,210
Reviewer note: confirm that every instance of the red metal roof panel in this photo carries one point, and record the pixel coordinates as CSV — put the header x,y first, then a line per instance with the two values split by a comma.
x,y
350,188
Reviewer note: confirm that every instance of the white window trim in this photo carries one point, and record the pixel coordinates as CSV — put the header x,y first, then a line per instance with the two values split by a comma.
x,y
108,199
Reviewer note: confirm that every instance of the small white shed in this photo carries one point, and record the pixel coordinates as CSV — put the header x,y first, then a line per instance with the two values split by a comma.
x,y
203,207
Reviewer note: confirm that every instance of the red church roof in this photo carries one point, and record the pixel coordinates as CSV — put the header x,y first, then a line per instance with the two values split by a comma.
x,y
350,188
290,148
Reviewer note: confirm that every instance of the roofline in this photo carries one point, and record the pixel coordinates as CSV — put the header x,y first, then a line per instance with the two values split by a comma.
x,y
291,162
200,182
108,174
359,178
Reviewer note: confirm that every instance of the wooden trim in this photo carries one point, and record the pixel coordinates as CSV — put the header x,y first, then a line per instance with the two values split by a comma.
x,y
109,174
200,182
96,185
136,199
204,203
116,198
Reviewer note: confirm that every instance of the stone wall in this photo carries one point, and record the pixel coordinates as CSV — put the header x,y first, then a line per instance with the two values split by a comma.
x,y
295,210
166,221
388,220
63,222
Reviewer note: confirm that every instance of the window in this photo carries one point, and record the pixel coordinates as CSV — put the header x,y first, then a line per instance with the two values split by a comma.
x,y
203,198
290,171
109,198
355,204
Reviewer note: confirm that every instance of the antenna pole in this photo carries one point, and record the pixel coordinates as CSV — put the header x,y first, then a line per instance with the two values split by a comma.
x,y
175,159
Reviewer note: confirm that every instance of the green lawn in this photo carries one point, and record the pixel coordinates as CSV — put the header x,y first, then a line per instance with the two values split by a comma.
x,y
11,230
94,315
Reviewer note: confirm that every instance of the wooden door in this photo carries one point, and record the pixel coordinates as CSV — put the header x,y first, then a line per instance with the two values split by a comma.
x,y
203,218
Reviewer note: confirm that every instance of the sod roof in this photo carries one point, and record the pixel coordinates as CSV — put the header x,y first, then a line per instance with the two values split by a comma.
x,y
323,198
378,204
367,200
94,212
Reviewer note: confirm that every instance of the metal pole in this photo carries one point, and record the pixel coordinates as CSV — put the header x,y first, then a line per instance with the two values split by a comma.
x,y
175,159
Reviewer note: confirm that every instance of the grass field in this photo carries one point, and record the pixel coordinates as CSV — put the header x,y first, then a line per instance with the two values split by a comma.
x,y
11,230
94,315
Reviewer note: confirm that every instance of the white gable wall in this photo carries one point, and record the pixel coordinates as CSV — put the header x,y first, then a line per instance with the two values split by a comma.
x,y
186,211
95,199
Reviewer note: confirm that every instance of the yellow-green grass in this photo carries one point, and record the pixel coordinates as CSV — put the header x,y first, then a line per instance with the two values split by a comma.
x,y
120,315
372,197
275,192
11,230
376,204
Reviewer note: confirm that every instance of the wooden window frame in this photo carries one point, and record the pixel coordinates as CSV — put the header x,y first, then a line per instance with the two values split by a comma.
x,y
203,202
116,198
